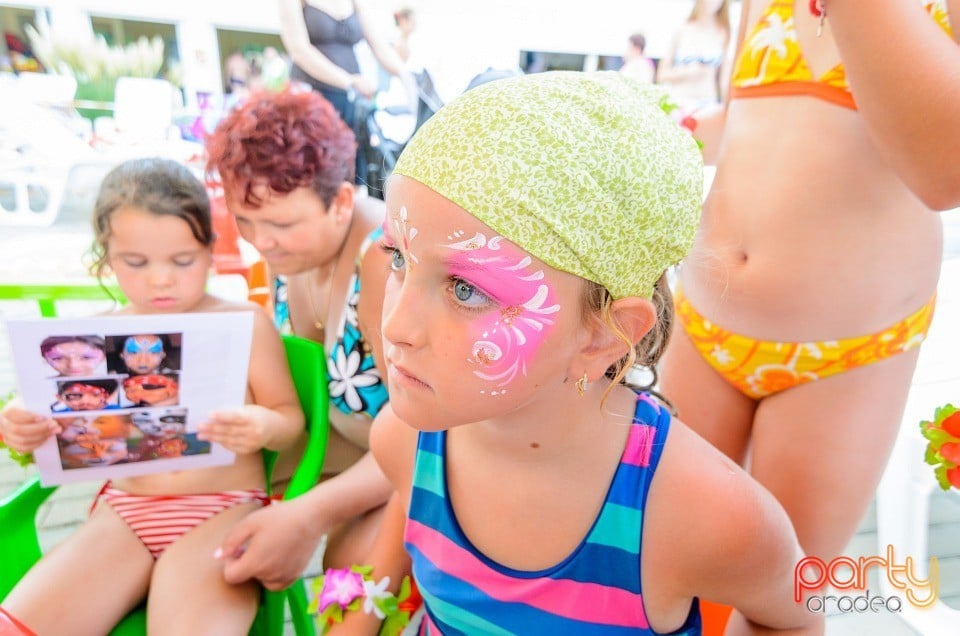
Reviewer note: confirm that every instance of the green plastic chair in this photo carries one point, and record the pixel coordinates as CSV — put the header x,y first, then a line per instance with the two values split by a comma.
x,y
47,296
19,543
308,367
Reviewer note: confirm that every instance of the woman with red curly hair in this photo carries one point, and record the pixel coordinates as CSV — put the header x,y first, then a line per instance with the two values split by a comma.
x,y
286,161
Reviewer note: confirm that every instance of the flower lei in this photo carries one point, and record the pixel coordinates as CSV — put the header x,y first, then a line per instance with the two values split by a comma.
x,y
943,449
339,590
689,122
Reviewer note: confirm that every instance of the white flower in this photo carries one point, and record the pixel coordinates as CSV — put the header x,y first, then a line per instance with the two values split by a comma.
x,y
375,591
345,378
721,355
350,316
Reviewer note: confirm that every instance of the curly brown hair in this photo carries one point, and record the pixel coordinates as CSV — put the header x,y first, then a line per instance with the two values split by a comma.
x,y
163,187
284,140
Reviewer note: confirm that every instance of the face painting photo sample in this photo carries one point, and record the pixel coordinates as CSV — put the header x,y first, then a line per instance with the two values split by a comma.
x,y
195,363
152,390
75,355
100,440
85,395
140,354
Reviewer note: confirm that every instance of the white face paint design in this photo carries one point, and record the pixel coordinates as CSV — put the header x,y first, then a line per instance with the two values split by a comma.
x,y
406,235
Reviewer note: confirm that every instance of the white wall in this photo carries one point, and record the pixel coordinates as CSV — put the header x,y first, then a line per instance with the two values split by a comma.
x,y
456,39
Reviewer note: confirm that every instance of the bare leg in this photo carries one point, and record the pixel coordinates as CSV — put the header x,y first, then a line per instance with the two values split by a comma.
x,y
821,448
87,583
188,594
706,402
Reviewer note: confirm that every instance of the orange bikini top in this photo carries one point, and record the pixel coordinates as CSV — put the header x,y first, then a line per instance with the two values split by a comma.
x,y
771,62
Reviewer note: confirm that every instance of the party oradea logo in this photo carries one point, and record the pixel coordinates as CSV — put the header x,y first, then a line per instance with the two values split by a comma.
x,y
812,576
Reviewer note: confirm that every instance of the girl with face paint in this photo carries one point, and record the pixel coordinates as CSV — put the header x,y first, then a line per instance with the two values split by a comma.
x,y
143,354
530,223
74,355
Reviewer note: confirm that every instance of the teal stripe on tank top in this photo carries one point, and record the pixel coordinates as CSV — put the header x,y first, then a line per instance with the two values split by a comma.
x,y
617,527
428,473
474,623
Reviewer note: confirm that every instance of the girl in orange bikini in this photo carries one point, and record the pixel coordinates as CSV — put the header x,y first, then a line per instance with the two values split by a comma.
x,y
811,284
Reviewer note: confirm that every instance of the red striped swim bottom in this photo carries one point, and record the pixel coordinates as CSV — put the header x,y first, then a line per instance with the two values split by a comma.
x,y
159,520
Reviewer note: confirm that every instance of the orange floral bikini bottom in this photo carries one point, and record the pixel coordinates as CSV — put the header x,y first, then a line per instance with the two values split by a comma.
x,y
760,368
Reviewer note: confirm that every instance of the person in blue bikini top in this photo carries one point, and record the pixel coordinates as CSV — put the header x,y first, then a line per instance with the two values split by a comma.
x,y
353,380
286,162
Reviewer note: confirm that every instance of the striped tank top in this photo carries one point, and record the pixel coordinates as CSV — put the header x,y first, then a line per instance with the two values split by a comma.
x,y
595,590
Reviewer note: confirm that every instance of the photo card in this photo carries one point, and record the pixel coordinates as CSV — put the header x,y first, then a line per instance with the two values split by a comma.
x,y
130,391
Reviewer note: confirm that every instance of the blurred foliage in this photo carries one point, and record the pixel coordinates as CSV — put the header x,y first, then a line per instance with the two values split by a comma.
x,y
93,63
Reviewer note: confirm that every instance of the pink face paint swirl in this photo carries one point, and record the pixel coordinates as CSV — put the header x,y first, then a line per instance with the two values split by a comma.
x,y
508,337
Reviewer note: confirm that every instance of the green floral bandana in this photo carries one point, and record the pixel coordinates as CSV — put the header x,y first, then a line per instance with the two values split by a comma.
x,y
583,170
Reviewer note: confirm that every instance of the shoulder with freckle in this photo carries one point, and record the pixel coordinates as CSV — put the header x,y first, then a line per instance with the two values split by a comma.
x,y
687,455
690,467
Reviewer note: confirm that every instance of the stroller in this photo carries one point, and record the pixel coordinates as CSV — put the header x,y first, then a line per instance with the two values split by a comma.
x,y
385,126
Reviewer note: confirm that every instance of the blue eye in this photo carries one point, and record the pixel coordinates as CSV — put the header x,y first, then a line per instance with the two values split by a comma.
x,y
468,294
398,262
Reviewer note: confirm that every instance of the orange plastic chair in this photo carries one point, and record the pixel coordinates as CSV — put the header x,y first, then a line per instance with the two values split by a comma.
x,y
227,258
714,617
258,282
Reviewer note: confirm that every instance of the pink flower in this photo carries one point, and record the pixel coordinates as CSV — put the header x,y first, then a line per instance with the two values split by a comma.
x,y
340,587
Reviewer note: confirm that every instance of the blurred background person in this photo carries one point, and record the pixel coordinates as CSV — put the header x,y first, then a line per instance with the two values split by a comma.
x,y
320,36
236,73
636,64
406,23
692,71
297,207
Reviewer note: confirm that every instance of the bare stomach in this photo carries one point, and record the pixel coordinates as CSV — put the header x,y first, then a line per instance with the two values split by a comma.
x,y
343,450
245,473
808,236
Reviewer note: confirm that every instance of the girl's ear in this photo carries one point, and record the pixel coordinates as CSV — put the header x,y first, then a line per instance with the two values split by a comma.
x,y
342,203
632,317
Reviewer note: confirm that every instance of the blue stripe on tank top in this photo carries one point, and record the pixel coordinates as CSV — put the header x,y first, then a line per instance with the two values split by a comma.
x,y
512,618
581,565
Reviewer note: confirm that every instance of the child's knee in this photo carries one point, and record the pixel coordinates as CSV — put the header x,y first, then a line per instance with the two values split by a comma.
x,y
10,626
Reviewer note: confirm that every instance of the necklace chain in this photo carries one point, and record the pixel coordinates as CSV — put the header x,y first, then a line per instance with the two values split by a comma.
x,y
318,322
